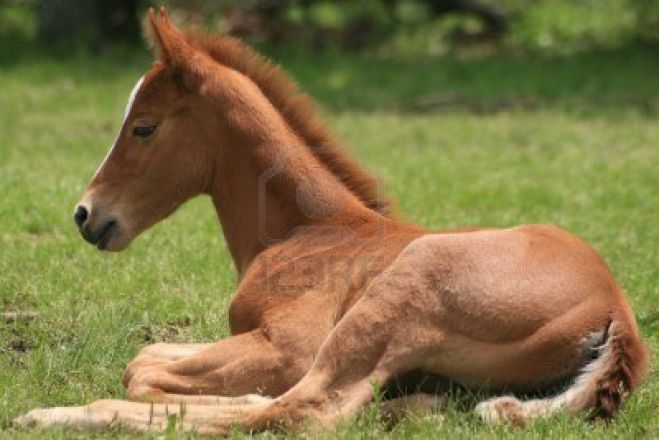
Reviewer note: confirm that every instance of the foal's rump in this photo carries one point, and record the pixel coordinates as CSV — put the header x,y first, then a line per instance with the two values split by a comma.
x,y
524,308
518,306
505,284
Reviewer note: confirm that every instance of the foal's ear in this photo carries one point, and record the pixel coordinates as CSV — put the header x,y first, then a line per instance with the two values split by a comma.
x,y
172,48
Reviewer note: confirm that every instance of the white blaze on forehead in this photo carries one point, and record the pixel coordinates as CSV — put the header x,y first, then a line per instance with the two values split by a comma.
x,y
129,106
131,98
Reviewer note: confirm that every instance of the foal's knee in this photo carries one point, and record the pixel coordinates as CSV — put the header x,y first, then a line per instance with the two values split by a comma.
x,y
141,362
144,394
143,384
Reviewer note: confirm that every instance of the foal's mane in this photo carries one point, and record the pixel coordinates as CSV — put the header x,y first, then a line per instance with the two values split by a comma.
x,y
298,110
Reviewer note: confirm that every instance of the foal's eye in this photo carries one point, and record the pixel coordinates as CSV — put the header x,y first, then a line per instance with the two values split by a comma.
x,y
144,130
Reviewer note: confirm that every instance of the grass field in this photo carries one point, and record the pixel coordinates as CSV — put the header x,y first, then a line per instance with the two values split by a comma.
x,y
586,157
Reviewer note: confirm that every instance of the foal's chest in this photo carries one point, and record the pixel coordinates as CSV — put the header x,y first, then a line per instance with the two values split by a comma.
x,y
331,274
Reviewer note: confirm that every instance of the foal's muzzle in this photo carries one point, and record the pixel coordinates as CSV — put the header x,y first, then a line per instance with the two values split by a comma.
x,y
98,234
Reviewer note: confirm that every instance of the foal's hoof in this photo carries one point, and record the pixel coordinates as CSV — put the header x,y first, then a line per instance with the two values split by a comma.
x,y
75,416
140,362
505,409
43,417
26,420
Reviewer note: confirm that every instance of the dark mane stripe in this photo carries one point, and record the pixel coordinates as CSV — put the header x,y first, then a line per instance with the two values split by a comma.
x,y
298,110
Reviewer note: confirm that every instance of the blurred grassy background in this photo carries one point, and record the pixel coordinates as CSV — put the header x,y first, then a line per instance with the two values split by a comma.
x,y
463,124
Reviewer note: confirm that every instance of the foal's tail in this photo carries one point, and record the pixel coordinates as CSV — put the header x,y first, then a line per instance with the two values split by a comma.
x,y
602,386
606,382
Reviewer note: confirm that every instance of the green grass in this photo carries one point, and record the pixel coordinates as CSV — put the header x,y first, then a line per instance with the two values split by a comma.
x,y
585,163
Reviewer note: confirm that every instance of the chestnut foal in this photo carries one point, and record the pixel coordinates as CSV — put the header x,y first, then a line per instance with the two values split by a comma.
x,y
334,294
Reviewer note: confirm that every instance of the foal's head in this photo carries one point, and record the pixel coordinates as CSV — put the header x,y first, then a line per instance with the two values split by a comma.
x,y
201,106
161,156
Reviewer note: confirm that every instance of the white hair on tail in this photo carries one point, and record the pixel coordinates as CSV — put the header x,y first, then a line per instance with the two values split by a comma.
x,y
577,397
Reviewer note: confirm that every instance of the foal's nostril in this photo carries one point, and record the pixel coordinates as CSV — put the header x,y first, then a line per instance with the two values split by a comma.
x,y
80,216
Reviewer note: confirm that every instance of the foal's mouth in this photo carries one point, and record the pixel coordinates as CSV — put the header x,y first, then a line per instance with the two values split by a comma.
x,y
106,234
103,237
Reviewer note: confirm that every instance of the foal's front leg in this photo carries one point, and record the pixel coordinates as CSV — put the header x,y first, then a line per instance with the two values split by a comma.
x,y
246,364
143,417
373,342
194,388
168,351
160,353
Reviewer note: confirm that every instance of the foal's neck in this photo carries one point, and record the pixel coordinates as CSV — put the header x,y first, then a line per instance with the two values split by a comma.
x,y
267,182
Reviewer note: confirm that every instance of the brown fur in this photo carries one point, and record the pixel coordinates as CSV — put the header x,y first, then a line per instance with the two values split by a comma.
x,y
333,297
